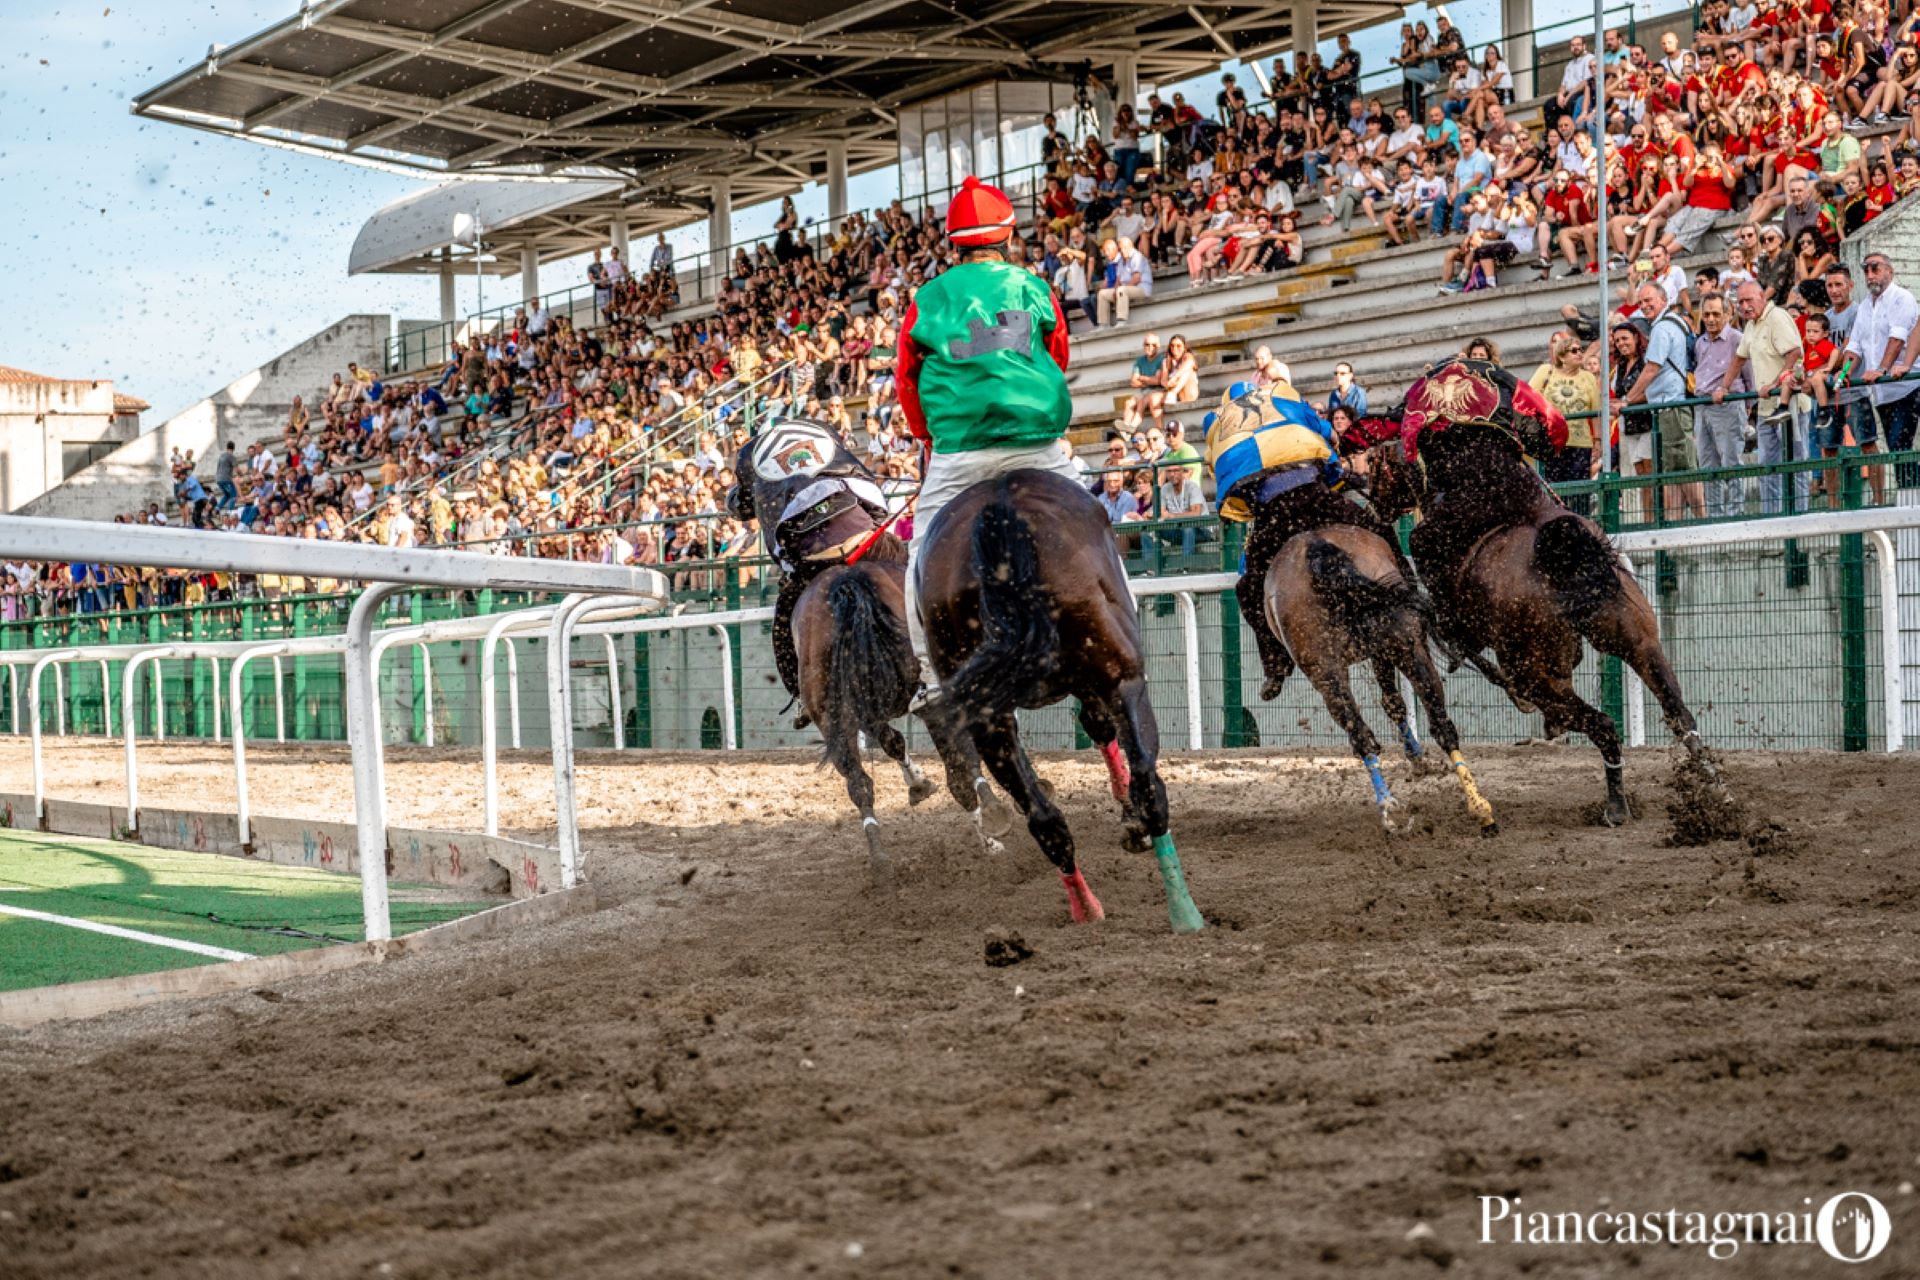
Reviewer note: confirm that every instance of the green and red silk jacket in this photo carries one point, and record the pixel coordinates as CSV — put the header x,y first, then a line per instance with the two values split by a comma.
x,y
983,354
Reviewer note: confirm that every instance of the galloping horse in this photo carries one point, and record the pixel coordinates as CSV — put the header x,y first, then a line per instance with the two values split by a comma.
x,y
1026,603
1335,595
1509,566
840,634
857,676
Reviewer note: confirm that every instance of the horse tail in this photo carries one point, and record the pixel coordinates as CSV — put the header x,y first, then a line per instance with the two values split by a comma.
x,y
870,672
1580,567
1019,639
1356,601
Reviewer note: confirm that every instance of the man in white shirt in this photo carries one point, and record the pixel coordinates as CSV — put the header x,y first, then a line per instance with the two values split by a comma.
x,y
1671,279
1407,136
1883,338
1133,280
1127,223
1576,80
536,319
662,259
399,524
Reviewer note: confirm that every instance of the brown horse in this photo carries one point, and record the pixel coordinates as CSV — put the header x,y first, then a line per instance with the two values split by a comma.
x,y
1026,603
1335,595
857,676
1510,568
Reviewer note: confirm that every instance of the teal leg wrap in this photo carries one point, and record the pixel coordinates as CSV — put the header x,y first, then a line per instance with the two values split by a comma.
x,y
1180,909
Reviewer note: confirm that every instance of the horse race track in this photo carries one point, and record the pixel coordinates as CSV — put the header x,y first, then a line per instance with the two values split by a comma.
x,y
750,1064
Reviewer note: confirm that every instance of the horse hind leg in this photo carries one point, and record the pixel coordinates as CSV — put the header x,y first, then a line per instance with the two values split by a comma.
x,y
1331,681
1427,686
1564,706
1099,725
992,818
894,743
1147,793
860,791
1395,706
998,740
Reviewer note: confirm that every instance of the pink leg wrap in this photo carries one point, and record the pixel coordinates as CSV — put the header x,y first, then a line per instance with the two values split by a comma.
x,y
1117,770
1080,900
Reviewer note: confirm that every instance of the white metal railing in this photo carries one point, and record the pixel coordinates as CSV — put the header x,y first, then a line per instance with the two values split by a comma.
x,y
386,571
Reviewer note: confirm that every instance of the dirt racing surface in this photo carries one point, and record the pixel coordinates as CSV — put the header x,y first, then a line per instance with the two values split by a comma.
x,y
753,1064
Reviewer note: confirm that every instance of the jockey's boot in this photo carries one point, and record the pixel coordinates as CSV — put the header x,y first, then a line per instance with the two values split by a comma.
x,y
1276,663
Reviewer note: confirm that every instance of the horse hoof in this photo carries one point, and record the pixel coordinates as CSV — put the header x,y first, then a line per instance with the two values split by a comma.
x,y
996,816
1489,831
918,791
1616,814
993,848
1425,766
1136,840
1271,687
1387,811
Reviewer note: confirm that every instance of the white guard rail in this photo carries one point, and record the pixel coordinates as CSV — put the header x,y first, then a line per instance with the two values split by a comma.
x,y
386,569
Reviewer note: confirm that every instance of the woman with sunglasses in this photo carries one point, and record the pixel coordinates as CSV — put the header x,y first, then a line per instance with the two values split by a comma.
x,y
1572,389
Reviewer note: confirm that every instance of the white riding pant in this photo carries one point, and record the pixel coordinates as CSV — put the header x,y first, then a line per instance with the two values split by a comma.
x,y
947,475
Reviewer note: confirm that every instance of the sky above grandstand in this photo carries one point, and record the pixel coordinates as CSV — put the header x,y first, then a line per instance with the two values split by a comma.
x,y
173,262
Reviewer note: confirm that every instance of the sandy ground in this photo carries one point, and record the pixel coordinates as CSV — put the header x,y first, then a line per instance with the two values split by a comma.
x,y
754,1064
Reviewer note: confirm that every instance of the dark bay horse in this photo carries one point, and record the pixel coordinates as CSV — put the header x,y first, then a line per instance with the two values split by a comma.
x,y
1335,595
1510,568
857,676
1026,603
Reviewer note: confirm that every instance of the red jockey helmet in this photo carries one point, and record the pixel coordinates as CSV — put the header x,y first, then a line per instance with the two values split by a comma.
x,y
979,216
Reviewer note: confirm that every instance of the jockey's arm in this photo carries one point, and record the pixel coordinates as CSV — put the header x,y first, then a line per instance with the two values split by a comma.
x,y
1059,345
906,376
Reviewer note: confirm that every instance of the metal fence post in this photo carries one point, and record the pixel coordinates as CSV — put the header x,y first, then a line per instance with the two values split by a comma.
x,y
1853,623
1231,708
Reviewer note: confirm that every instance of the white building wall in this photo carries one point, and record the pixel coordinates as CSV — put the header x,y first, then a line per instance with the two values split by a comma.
x,y
252,407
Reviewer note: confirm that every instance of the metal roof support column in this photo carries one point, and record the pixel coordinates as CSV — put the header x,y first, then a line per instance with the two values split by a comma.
x,y
622,237
836,182
1126,80
1516,21
529,273
449,305
720,229
1306,26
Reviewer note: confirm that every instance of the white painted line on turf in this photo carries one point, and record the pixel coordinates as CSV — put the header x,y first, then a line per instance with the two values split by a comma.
x,y
133,935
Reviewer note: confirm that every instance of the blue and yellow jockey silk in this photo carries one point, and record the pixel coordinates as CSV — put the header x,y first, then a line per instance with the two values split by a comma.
x,y
1260,430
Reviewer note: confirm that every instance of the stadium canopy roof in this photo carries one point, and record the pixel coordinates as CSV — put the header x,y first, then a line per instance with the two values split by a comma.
x,y
672,96
565,217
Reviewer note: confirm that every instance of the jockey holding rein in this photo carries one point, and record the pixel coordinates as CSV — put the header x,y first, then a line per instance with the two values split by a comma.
x,y
1261,443
817,505
980,375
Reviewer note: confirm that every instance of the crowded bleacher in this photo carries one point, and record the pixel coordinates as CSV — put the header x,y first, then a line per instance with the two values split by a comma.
x,y
1750,153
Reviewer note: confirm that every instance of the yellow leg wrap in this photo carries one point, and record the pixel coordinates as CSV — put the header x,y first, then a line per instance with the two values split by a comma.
x,y
1476,803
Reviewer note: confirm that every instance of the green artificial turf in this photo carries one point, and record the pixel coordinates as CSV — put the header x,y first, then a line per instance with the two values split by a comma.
x,y
256,907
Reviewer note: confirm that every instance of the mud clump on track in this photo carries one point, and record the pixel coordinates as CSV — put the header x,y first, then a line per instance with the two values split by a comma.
x,y
767,1068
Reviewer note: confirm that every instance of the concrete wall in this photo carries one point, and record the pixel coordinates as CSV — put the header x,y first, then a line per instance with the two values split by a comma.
x,y
252,407
38,418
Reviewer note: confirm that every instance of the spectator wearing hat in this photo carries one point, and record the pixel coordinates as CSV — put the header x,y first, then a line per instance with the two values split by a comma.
x,y
1662,380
